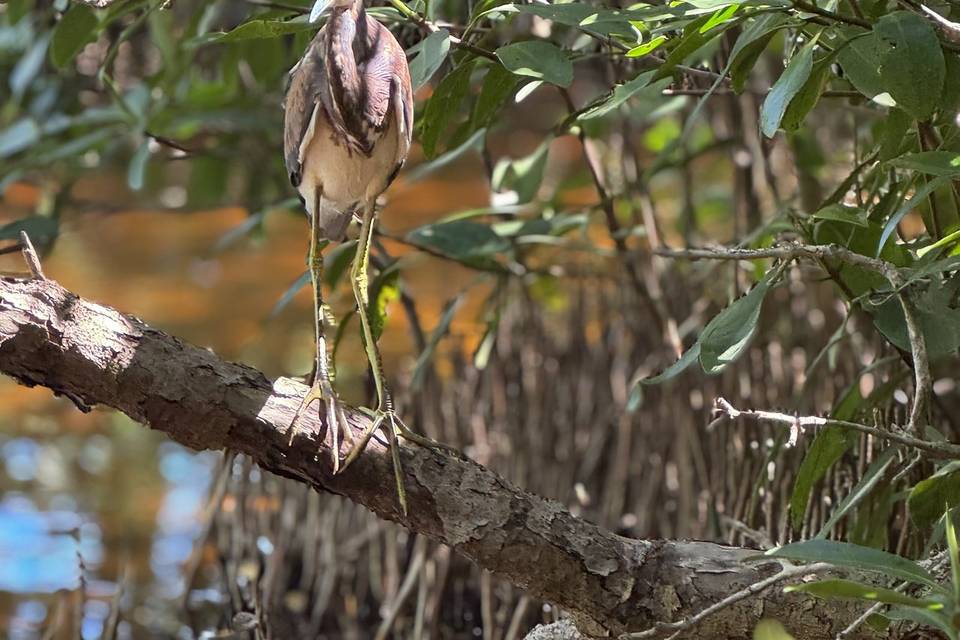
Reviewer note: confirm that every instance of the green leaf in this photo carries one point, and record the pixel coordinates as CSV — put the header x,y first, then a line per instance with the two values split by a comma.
x,y
843,213
945,241
750,44
42,229
443,106
260,29
420,368
524,175
433,51
138,166
907,207
337,261
727,335
646,47
873,475
28,66
498,85
923,617
953,546
860,61
935,163
76,28
844,554
689,356
18,136
937,313
538,59
639,87
827,447
786,87
474,142
912,66
929,497
771,630
693,40
848,589
894,132
472,243
385,289
284,301
809,94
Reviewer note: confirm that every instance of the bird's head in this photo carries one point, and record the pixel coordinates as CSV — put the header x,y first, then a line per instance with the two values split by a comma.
x,y
322,6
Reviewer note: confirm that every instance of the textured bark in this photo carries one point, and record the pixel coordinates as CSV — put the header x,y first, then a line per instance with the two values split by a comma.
x,y
610,584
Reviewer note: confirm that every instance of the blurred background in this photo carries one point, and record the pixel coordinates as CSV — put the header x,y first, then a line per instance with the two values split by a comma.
x,y
144,160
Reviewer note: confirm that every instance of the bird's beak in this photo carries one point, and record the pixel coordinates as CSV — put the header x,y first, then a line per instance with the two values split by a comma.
x,y
319,8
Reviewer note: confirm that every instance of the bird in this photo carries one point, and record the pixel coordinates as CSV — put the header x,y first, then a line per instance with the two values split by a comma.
x,y
348,128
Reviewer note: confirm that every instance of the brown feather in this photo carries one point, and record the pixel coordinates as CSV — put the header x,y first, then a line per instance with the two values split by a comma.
x,y
348,120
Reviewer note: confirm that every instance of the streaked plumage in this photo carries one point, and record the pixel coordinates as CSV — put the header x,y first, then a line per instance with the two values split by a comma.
x,y
348,116
348,122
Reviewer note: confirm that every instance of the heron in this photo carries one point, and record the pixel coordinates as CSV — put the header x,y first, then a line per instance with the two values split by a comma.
x,y
348,126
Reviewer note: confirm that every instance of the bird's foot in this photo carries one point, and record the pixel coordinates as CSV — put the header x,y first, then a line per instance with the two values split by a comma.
x,y
336,420
394,427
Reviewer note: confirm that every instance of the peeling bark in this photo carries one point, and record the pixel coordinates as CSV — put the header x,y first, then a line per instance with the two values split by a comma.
x,y
95,355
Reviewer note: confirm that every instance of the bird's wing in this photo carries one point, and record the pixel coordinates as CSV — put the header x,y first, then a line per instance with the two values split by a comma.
x,y
388,92
308,97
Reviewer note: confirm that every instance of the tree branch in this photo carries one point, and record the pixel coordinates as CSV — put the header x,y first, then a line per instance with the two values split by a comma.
x,y
610,584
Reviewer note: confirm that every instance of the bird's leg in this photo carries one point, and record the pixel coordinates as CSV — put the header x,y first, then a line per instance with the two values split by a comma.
x,y
320,387
384,415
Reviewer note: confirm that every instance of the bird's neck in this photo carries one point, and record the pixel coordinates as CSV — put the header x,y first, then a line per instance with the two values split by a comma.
x,y
346,49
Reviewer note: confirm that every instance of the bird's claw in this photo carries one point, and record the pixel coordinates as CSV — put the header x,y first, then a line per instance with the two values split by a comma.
x,y
336,420
394,427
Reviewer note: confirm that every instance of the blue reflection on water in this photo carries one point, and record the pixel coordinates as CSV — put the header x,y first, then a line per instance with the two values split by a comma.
x,y
38,550
188,478
39,545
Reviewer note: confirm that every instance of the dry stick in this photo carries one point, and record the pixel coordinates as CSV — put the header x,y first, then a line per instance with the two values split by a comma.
x,y
938,449
30,257
413,575
613,227
918,346
787,573
950,29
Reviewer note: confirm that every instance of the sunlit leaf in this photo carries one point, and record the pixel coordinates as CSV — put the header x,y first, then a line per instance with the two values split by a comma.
x,y
786,88
771,630
433,52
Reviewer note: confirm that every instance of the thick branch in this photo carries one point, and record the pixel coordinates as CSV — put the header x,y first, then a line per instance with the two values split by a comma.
x,y
610,584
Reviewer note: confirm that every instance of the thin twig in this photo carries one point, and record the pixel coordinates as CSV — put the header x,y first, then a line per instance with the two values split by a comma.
x,y
30,257
950,29
836,17
921,364
938,449
676,628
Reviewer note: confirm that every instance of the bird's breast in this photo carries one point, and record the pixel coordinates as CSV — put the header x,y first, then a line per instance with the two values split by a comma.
x,y
346,176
